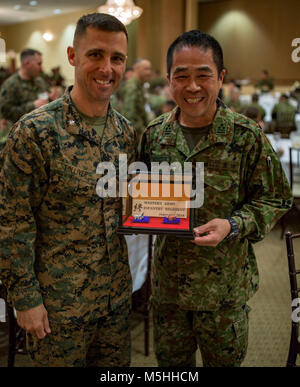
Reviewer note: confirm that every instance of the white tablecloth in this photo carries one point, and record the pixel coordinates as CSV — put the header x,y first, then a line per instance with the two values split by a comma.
x,y
2,310
138,258
284,145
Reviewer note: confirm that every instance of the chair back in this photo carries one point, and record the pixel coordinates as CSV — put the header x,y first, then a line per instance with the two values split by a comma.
x,y
294,349
294,166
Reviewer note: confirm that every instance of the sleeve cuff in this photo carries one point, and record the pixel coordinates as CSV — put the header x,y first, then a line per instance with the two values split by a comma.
x,y
24,300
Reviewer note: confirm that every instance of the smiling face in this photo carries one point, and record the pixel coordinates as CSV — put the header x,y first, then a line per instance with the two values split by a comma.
x,y
195,85
99,59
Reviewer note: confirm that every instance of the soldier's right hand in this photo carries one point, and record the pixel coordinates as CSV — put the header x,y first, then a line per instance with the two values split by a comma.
x,y
35,321
40,102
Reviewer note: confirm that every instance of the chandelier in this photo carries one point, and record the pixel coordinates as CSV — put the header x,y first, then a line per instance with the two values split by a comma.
x,y
124,10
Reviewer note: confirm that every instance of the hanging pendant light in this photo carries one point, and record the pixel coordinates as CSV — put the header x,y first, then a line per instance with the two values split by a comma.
x,y
124,10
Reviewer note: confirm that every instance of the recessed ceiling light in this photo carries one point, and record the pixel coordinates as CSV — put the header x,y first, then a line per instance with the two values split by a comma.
x,y
33,2
57,11
17,6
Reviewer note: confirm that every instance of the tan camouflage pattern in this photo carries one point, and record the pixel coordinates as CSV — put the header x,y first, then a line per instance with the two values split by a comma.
x,y
133,105
58,240
104,342
222,336
243,179
17,96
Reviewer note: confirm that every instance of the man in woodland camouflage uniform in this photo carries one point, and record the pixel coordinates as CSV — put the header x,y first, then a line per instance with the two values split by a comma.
x,y
201,287
25,90
133,103
65,268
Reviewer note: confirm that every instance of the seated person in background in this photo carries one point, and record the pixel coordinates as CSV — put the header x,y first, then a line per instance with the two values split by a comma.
x,y
256,104
233,101
265,84
283,115
254,113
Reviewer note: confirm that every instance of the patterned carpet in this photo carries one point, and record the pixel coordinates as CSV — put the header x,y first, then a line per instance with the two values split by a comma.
x,y
270,317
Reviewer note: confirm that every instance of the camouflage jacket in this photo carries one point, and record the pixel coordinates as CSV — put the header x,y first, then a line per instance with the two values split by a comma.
x,y
17,96
284,112
133,104
243,179
58,239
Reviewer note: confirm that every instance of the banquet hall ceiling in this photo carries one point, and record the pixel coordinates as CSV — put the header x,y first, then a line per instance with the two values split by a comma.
x,y
18,11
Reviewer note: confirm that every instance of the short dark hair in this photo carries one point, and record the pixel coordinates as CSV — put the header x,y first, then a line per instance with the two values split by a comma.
x,y
101,21
196,38
28,52
251,112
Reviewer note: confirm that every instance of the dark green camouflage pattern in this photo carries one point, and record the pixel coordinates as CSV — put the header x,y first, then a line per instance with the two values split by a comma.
x,y
133,105
58,240
243,179
221,336
17,96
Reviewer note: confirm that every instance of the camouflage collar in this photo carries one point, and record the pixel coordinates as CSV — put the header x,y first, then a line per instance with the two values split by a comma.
x,y
222,130
74,124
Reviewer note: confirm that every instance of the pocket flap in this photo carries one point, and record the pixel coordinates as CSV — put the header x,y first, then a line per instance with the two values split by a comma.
x,y
218,182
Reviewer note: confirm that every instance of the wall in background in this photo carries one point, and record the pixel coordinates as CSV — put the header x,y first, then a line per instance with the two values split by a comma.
x,y
161,22
30,34
254,35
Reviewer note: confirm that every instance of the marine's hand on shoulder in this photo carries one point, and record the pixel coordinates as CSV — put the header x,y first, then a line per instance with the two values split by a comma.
x,y
34,320
214,232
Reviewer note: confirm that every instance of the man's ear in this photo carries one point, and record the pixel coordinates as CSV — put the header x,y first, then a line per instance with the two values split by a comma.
x,y
222,75
71,55
168,78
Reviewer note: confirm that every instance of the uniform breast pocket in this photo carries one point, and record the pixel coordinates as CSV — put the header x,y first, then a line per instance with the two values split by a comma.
x,y
220,193
70,197
159,158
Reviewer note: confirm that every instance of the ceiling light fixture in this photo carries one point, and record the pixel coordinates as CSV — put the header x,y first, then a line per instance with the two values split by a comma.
x,y
57,11
48,36
33,3
124,10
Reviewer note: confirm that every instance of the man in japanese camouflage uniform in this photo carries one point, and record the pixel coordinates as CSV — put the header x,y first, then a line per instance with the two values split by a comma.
x,y
65,268
201,287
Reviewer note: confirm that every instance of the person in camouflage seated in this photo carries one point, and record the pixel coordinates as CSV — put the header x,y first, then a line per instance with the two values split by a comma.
x,y
284,112
133,103
200,288
64,266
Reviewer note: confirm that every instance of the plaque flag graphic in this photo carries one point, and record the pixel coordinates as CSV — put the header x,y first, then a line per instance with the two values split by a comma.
x,y
157,204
